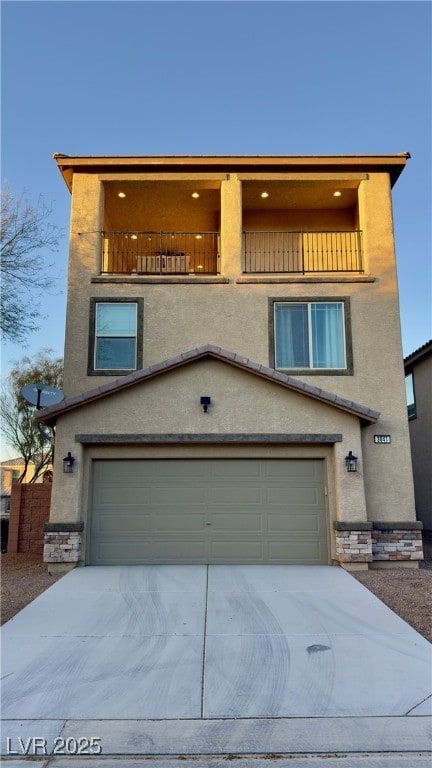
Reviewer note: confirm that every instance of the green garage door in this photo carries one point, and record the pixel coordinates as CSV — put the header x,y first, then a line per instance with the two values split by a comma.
x,y
208,511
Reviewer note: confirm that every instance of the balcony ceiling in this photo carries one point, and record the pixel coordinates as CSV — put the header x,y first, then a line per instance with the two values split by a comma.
x,y
299,195
154,199
148,197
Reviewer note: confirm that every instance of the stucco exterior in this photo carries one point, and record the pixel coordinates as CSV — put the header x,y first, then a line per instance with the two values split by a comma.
x,y
232,309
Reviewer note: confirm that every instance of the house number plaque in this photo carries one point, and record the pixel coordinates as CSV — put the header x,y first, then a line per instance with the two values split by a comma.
x,y
382,439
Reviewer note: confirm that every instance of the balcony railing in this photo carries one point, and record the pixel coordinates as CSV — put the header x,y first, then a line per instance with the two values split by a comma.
x,y
160,253
302,252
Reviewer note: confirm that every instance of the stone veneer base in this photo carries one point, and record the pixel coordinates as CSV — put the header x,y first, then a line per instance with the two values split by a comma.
x,y
382,544
353,544
396,542
62,543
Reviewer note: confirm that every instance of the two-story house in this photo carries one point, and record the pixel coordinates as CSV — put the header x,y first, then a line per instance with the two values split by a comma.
x,y
234,381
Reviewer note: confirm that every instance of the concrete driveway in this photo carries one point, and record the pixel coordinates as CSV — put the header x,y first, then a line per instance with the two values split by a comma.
x,y
211,660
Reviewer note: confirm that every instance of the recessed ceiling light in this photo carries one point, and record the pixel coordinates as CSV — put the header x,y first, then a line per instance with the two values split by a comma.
x,y
134,237
121,194
198,237
337,194
264,194
195,194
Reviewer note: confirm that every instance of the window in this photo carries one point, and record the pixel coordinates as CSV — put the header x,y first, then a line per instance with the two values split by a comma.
x,y
410,396
15,476
115,336
311,336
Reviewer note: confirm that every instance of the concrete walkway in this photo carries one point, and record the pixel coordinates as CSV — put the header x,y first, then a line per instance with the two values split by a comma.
x,y
196,660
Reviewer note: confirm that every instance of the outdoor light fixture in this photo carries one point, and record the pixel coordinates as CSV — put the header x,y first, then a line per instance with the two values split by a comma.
x,y
351,462
205,401
68,463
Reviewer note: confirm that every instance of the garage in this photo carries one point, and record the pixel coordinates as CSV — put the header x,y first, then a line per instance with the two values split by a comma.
x,y
208,511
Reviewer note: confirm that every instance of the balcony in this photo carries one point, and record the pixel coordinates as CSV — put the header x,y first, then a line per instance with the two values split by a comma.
x,y
160,253
302,252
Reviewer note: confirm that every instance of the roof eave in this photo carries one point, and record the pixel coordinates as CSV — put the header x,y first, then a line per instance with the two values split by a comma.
x,y
68,165
50,415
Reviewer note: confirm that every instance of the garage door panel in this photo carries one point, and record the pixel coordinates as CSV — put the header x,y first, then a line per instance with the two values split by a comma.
x,y
208,511
295,469
173,470
237,551
294,523
296,496
234,495
138,523
179,521
178,495
236,470
237,522
301,552
115,496
123,551
176,550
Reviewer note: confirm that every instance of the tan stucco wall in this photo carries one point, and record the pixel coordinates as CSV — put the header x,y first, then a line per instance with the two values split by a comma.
x,y
235,316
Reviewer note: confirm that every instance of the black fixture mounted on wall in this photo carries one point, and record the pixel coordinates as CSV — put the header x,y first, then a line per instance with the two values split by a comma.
x,y
205,401
68,463
351,462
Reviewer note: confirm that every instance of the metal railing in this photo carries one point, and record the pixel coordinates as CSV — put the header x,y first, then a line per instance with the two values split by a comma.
x,y
301,252
160,253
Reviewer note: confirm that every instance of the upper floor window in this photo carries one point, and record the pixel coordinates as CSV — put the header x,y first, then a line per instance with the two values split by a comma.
x,y
311,336
15,476
115,336
410,396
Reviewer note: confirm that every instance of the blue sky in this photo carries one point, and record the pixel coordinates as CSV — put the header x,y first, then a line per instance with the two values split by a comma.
x,y
220,77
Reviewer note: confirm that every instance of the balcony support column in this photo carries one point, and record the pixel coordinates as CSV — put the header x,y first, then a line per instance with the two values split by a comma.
x,y
231,227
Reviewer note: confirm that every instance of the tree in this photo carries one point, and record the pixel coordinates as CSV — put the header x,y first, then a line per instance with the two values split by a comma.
x,y
18,425
26,235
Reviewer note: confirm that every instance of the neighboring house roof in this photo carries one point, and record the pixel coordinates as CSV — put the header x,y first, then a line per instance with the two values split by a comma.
x,y
418,354
52,413
12,463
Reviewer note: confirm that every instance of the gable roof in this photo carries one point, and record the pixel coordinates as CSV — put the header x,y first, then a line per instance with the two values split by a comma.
x,y
50,414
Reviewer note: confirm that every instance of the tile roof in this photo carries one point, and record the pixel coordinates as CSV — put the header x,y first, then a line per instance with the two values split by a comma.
x,y
49,415
419,353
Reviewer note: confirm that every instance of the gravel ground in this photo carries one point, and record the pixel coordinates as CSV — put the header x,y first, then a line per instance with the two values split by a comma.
x,y
407,592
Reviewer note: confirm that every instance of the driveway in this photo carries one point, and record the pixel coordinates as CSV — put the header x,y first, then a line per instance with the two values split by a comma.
x,y
215,658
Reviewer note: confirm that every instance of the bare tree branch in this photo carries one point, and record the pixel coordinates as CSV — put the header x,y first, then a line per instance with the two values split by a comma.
x,y
26,235
18,424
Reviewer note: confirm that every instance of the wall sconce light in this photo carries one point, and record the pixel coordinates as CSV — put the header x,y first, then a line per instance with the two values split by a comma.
x,y
205,401
351,462
68,463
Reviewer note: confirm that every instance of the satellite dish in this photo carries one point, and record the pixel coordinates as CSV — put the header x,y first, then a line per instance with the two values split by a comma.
x,y
42,395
